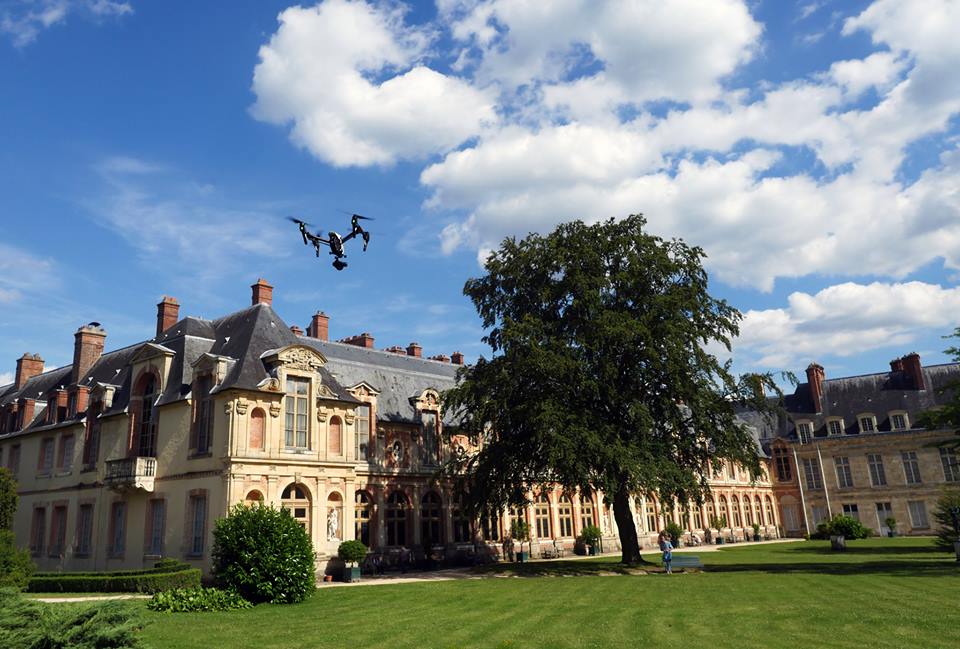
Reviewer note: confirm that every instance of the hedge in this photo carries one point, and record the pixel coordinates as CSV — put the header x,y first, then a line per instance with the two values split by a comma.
x,y
144,581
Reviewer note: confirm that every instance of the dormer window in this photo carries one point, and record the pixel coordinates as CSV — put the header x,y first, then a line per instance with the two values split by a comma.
x,y
297,409
146,422
202,433
868,423
835,426
431,449
804,431
91,445
899,421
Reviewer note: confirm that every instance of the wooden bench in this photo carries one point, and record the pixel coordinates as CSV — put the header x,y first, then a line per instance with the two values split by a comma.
x,y
686,561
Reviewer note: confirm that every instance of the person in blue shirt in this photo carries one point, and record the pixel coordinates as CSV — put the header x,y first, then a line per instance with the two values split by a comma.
x,y
666,547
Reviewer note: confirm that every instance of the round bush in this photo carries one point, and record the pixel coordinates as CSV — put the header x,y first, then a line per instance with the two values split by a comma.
x,y
591,534
352,551
848,527
263,554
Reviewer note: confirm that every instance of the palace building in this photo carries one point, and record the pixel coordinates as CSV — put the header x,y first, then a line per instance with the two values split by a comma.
x,y
129,455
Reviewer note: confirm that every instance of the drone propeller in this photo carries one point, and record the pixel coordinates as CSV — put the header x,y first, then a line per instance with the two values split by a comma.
x,y
365,218
299,222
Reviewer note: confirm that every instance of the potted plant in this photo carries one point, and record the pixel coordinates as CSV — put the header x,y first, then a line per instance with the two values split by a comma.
x,y
591,536
675,532
756,531
718,523
891,524
520,532
352,553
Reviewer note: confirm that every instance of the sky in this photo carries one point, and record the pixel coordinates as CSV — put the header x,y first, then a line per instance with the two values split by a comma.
x,y
811,148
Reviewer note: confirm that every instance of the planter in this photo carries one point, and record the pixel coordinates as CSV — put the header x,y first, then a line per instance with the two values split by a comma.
x,y
891,534
328,578
523,557
756,537
719,540
838,543
594,550
352,574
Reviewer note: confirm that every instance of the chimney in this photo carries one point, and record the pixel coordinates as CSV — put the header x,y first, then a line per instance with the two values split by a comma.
x,y
27,409
913,369
319,326
413,349
28,366
82,399
456,358
896,365
262,292
815,378
443,358
87,348
168,313
396,349
362,340
297,331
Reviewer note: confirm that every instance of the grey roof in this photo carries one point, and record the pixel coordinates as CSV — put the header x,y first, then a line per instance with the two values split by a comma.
x,y
396,377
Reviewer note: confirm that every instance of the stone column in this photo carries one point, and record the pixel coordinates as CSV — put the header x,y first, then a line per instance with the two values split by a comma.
x,y
349,532
380,515
415,533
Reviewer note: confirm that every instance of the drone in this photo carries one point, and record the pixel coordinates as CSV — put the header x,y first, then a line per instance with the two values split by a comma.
x,y
334,241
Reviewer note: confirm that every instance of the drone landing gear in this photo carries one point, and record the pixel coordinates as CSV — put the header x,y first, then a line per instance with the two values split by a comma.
x,y
339,264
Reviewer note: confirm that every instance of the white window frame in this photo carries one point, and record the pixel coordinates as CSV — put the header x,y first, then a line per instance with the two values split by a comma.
x,y
807,426
915,461
830,422
923,524
870,417
899,413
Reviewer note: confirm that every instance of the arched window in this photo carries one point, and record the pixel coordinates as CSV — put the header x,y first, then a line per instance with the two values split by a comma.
x,y
652,518
697,517
565,516
722,513
490,526
587,517
146,426
759,507
461,524
541,513
253,497
361,517
258,420
710,514
735,507
397,519
685,517
747,512
296,498
335,439
770,519
430,519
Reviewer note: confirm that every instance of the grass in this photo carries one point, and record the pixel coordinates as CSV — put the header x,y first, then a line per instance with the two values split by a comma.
x,y
880,593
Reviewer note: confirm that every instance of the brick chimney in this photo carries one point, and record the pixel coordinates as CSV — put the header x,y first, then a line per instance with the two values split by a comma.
x,y
27,410
443,358
815,376
87,348
361,340
456,358
28,366
262,292
913,369
896,365
414,349
296,331
319,327
168,313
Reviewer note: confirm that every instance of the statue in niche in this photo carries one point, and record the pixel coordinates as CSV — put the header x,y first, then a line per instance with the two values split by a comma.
x,y
333,525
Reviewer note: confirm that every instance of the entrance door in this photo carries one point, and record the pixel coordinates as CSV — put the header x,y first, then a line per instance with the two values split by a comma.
x,y
884,511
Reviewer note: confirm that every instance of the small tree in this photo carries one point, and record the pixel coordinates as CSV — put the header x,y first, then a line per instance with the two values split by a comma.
x,y
520,532
8,499
675,532
847,527
263,554
591,535
947,534
15,564
718,522
352,552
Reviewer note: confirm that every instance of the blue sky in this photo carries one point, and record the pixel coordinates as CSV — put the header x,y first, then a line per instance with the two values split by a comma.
x,y
154,148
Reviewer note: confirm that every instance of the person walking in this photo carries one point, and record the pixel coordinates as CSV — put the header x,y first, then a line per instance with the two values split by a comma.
x,y
666,548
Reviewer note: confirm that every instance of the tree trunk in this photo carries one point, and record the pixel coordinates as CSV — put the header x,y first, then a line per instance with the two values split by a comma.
x,y
630,546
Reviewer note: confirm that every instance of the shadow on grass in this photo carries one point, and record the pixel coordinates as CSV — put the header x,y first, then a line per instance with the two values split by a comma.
x,y
581,568
888,568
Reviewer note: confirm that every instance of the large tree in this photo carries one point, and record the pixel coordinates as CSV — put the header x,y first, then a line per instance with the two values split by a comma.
x,y
600,375
947,415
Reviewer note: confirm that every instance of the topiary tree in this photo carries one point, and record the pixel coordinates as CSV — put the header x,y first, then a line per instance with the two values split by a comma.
x,y
847,527
263,554
15,564
947,534
352,552
520,531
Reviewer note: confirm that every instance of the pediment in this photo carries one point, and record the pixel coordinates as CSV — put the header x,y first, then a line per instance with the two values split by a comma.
x,y
429,399
150,351
363,389
298,357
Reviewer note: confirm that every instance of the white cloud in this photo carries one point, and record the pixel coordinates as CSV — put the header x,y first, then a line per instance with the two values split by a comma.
x,y
845,320
24,20
319,74
22,272
6,378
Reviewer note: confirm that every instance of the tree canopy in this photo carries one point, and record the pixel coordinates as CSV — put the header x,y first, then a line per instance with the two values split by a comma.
x,y
948,415
600,375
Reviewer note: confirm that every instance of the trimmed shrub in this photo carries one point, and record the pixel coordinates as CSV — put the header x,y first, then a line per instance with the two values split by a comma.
x,y
675,532
15,564
106,582
263,554
187,600
27,624
591,535
946,535
352,552
848,527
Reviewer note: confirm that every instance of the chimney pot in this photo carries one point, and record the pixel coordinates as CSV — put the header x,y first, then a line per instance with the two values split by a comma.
x,y
443,358
262,293
456,358
168,313
87,349
396,349
896,365
913,368
297,331
815,377
414,349
361,340
28,366
319,327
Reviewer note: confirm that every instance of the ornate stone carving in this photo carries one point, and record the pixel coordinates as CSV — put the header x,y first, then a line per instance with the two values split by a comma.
x,y
242,406
274,409
227,408
321,415
301,358
349,417
270,384
323,392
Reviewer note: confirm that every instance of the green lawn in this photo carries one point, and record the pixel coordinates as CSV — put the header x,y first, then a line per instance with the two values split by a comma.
x,y
881,593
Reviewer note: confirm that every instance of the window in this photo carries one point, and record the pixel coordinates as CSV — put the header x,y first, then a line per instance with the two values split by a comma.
x,y
397,519
430,447
884,511
770,518
835,427
13,459
146,426
58,530
565,515
812,473
898,421
296,499
361,517
868,424
362,432
586,512
198,524
461,524
45,461
295,425
156,522
91,445
782,462
722,512
651,518
490,526
203,425
541,514
84,530
805,432
65,455
918,514
844,476
911,467
820,514
951,465
735,509
335,436
878,477
430,519
731,471
118,531
38,530
760,511
258,421
697,518
851,510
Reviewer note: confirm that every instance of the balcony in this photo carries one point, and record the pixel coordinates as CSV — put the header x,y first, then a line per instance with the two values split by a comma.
x,y
131,473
